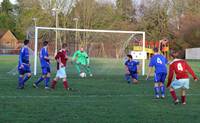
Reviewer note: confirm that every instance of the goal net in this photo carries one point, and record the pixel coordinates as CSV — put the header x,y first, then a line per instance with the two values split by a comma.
x,y
106,48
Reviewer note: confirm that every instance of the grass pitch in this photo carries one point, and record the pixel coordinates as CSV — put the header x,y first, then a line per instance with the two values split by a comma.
x,y
103,98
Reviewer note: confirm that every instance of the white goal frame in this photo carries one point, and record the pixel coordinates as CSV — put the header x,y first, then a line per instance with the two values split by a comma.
x,y
85,30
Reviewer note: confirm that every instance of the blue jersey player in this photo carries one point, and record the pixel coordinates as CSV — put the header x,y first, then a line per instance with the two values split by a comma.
x,y
131,70
24,65
45,66
159,62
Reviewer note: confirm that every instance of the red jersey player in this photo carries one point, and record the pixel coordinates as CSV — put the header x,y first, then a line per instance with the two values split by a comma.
x,y
181,68
61,58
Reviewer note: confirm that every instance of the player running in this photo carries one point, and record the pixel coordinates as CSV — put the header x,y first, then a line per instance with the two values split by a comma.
x,y
181,68
24,65
131,70
159,62
45,65
82,61
61,58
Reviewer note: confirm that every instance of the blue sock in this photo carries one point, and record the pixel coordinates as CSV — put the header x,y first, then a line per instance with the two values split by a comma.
x,y
39,80
162,89
20,81
47,81
156,89
25,79
128,78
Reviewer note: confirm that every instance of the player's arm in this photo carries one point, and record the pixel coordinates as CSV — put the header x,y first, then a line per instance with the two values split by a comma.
x,y
170,76
126,68
149,72
47,58
45,55
151,64
58,59
87,59
189,69
20,58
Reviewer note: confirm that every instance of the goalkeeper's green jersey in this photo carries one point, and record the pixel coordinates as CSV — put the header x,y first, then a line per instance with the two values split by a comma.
x,y
81,57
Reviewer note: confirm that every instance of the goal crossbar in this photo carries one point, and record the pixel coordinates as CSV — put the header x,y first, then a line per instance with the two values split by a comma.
x,y
85,30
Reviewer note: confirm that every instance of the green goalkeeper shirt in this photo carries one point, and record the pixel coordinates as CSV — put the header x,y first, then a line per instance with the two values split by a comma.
x,y
81,57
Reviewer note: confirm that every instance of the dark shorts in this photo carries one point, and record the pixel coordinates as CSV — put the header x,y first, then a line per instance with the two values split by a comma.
x,y
133,75
160,77
24,70
46,70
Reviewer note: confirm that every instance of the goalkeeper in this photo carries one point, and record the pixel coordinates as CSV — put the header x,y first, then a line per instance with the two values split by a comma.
x,y
81,61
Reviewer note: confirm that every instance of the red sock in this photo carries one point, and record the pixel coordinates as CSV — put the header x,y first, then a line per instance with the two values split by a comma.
x,y
173,94
53,84
65,84
183,99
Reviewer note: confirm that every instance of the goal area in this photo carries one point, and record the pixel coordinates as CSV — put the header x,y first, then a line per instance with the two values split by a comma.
x,y
111,38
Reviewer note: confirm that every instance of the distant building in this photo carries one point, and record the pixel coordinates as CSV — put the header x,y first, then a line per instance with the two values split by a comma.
x,y
8,42
192,53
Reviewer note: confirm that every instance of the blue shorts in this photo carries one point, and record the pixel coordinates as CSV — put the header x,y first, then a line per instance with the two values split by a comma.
x,y
46,70
24,70
134,75
160,77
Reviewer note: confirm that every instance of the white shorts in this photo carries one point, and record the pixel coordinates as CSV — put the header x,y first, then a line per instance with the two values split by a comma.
x,y
181,83
61,73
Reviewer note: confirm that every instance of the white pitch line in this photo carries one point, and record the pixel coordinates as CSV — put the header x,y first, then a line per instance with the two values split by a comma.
x,y
87,96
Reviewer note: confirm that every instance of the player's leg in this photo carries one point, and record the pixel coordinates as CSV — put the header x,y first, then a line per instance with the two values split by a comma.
x,y
20,78
63,75
77,66
176,84
20,81
54,82
87,70
156,85
156,90
135,78
162,89
173,94
26,78
65,83
183,90
44,75
36,83
183,96
28,73
162,85
128,78
47,79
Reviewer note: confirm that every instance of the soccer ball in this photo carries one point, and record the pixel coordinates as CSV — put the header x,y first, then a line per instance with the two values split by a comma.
x,y
82,74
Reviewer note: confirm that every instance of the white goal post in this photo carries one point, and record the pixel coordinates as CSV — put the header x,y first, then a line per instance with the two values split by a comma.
x,y
85,30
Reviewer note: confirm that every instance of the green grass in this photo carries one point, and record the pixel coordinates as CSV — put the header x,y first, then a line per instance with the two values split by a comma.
x,y
104,98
